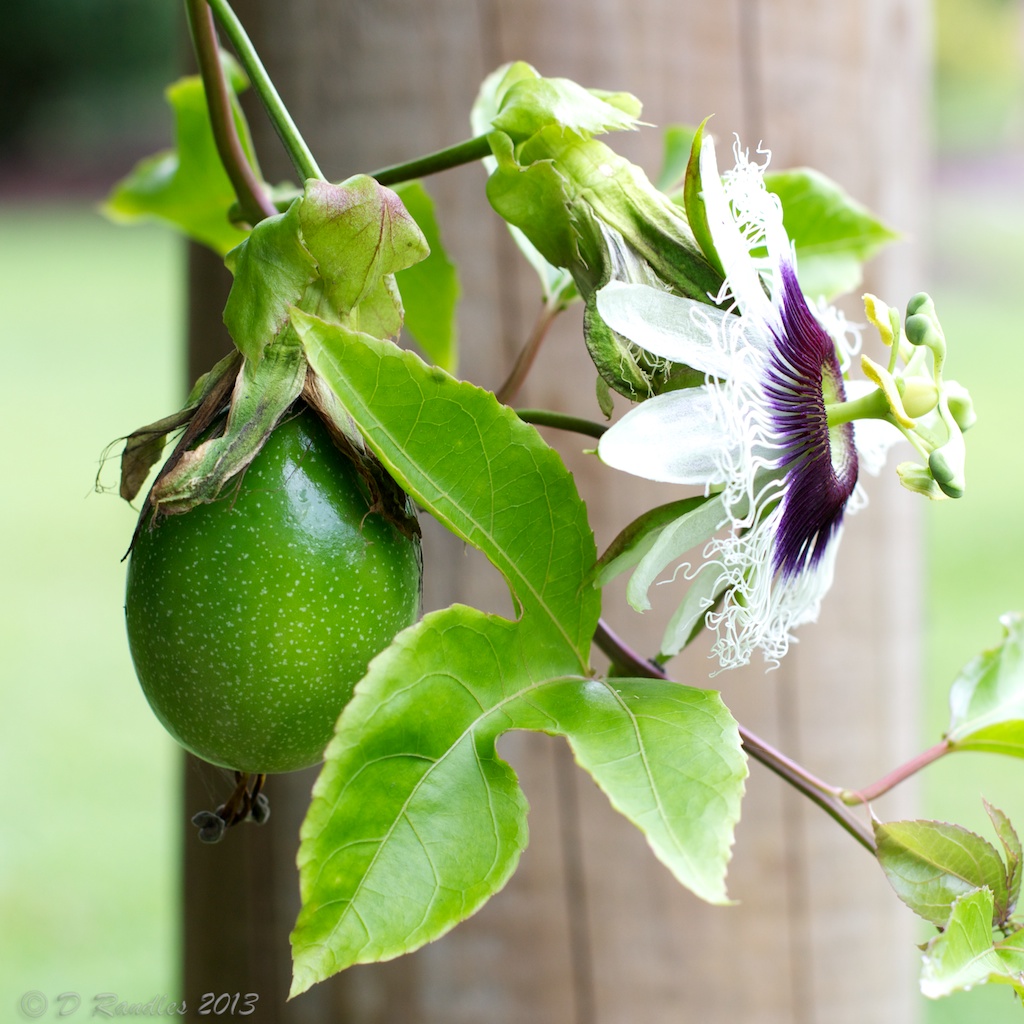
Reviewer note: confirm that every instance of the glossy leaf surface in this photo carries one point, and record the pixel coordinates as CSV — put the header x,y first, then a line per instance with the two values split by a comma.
x,y
415,820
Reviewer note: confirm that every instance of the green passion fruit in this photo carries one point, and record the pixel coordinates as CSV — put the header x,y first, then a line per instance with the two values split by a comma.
x,y
250,619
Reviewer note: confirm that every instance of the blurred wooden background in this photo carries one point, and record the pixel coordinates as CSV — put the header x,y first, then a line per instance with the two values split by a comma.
x,y
592,930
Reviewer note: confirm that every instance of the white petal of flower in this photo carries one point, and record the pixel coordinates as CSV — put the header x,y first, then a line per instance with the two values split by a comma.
x,y
667,325
772,606
707,584
732,245
675,438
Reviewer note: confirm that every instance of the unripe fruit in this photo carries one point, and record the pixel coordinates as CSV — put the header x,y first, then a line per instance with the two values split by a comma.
x,y
250,619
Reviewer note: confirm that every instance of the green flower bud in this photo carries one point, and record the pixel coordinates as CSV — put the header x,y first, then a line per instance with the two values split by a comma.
x,y
918,479
947,466
961,406
919,394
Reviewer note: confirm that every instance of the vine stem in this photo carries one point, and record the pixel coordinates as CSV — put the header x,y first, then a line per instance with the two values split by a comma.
x,y
825,796
298,151
253,200
897,775
561,421
525,360
442,160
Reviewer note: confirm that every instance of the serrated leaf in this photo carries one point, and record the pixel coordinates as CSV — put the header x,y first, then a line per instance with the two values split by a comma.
x,y
987,698
415,821
1014,854
964,955
187,187
931,863
834,235
669,758
430,289
476,467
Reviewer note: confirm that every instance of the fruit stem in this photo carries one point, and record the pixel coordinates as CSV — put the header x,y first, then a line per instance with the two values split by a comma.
x,y
254,202
295,145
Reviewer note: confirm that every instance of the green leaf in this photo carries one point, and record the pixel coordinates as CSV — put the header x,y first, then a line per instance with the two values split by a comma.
x,y
333,252
536,200
964,955
520,103
669,758
272,271
930,864
476,467
556,284
834,235
676,143
360,235
987,698
186,187
415,820
1014,855
430,288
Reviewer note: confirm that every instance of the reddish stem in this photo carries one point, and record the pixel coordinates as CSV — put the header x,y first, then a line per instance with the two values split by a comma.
x,y
253,200
897,775
507,392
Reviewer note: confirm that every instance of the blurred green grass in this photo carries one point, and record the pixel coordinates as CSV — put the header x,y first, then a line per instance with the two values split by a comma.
x,y
92,826
975,546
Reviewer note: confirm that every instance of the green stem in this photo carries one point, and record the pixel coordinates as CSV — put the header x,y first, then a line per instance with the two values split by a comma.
x,y
253,201
897,775
298,151
871,406
454,156
818,792
547,418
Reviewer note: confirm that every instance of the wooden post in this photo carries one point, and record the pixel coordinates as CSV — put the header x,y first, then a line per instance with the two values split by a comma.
x,y
592,930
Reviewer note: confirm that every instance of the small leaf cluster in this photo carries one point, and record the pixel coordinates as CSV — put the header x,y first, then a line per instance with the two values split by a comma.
x,y
952,877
